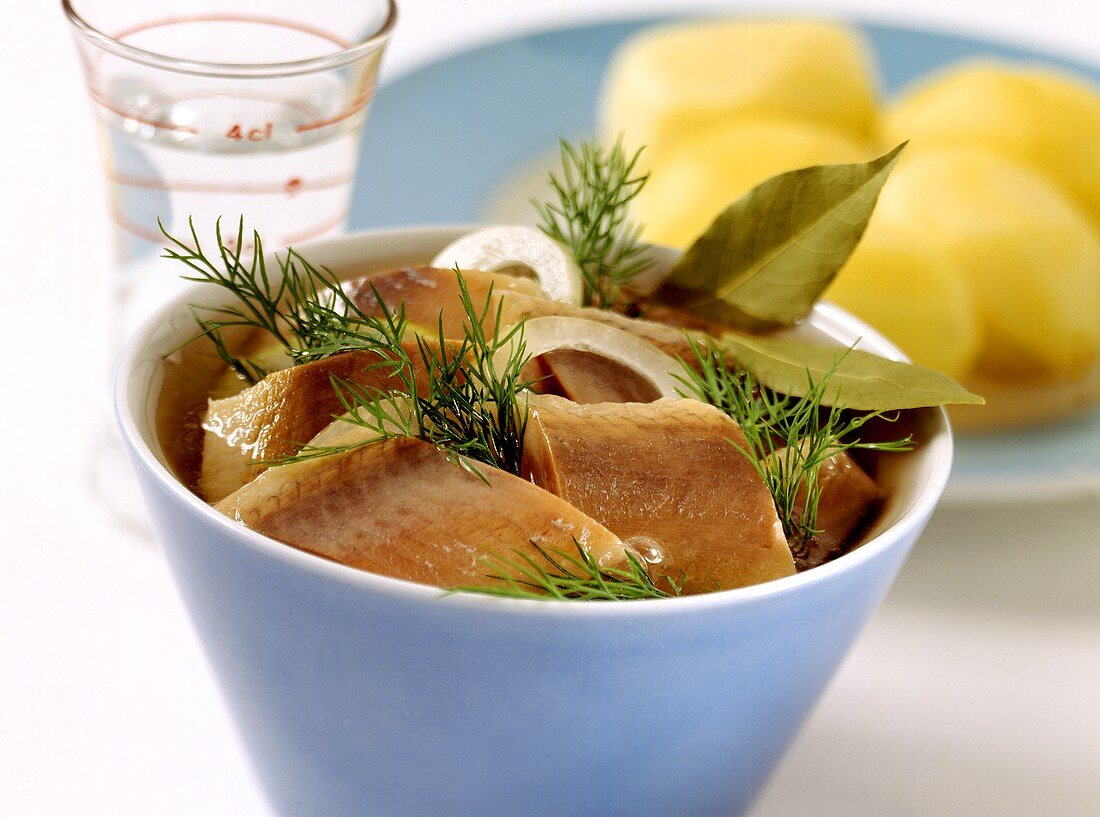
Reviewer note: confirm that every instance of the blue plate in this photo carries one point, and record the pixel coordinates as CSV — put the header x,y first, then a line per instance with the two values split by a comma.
x,y
442,140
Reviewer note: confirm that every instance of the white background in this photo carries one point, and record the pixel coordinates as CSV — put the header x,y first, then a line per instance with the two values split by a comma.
x,y
974,692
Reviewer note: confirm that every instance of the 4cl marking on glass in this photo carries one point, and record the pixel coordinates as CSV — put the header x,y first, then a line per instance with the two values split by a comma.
x,y
237,133
281,152
207,157
207,152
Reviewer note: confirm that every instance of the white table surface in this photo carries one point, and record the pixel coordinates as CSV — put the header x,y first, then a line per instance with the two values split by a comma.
x,y
975,691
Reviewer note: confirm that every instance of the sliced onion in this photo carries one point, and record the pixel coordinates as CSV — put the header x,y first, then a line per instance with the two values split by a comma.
x,y
548,334
650,279
497,248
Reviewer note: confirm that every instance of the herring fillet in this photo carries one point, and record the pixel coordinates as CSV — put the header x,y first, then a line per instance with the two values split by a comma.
x,y
282,412
402,508
426,291
666,474
848,496
430,296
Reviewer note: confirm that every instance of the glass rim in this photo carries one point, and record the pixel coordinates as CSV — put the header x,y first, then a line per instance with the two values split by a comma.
x,y
346,54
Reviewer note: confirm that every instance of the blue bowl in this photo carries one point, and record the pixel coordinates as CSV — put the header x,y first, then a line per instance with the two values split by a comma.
x,y
358,694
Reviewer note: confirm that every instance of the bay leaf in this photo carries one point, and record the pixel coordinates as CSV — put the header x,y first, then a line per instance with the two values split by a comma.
x,y
862,381
769,256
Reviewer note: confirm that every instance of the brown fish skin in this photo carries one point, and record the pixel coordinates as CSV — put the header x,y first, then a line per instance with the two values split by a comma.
x,y
401,508
426,291
431,294
666,315
848,496
274,418
663,473
282,412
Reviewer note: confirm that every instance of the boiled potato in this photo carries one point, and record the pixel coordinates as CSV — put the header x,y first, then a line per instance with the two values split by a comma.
x,y
912,291
707,172
1038,116
1030,257
669,81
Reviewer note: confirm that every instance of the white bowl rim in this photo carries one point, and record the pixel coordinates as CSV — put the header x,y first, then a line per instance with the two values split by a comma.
x,y
826,317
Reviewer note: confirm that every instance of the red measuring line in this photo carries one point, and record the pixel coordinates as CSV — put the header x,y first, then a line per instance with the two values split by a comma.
x,y
280,22
291,186
314,230
136,229
357,106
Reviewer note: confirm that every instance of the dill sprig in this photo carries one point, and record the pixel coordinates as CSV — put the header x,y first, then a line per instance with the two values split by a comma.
x,y
594,189
789,438
302,307
475,408
568,577
471,407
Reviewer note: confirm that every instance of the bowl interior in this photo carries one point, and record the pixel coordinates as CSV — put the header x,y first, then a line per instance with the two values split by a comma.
x,y
912,482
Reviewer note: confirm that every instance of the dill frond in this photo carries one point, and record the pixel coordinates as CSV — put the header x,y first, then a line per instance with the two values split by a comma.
x,y
789,438
567,577
593,192
303,308
472,408
469,407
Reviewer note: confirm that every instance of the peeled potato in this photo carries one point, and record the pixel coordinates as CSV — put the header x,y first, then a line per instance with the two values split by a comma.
x,y
669,81
1038,116
1030,257
912,291
705,173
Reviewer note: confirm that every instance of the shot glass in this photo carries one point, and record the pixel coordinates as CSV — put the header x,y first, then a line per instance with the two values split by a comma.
x,y
217,108
224,108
